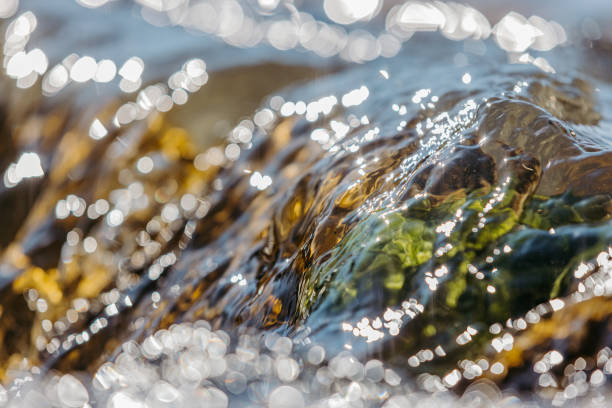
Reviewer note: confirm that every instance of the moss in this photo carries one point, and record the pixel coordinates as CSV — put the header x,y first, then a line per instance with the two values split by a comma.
x,y
494,259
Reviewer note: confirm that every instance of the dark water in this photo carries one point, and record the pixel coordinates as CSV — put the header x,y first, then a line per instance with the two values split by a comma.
x,y
451,220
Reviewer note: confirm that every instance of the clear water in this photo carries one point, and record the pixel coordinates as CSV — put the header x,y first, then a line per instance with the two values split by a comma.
x,y
278,227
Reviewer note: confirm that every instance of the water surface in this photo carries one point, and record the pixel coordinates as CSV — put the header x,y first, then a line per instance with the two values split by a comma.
x,y
444,212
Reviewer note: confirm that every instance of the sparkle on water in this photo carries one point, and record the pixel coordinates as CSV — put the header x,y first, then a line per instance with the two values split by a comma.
x,y
195,363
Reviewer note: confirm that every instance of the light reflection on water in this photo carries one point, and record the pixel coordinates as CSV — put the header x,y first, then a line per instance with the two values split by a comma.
x,y
151,222
288,29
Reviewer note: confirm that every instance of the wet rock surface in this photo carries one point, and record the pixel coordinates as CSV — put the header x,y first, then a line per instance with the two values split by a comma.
x,y
438,224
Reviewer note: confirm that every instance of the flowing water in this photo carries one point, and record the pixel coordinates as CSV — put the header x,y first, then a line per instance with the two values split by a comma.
x,y
278,224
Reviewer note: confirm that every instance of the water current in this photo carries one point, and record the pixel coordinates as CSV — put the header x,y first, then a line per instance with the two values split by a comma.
x,y
288,204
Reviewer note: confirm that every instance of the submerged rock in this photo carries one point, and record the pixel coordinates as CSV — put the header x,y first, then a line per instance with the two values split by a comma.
x,y
426,226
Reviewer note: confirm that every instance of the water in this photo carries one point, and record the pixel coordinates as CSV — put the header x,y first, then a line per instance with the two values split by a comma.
x,y
276,228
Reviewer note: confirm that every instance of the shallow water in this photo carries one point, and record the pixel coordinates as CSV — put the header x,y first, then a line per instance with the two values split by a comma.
x,y
445,212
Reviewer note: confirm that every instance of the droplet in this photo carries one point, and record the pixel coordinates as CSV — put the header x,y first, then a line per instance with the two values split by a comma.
x,y
8,8
374,370
84,69
163,392
71,392
145,165
392,378
106,71
235,382
316,355
286,397
287,369
282,346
